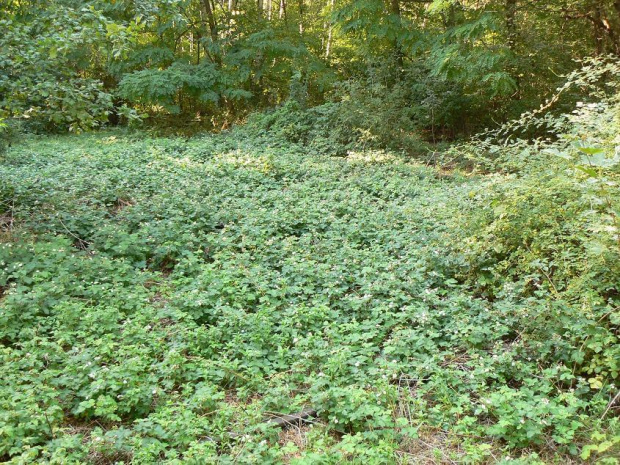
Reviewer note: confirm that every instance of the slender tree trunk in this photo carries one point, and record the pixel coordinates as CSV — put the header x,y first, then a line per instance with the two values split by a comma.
x,y
511,25
260,8
449,18
606,27
210,19
300,6
395,10
282,13
232,11
510,19
617,25
330,32
198,38
612,25
598,32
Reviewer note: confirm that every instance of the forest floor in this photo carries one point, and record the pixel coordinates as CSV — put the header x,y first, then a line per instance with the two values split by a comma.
x,y
161,298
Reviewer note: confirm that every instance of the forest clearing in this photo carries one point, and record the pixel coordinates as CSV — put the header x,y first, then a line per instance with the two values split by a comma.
x,y
349,231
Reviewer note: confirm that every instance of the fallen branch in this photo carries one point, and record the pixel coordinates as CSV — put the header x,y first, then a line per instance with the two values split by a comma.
x,y
612,402
286,421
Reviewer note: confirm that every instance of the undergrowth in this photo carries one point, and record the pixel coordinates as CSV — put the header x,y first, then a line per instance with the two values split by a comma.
x,y
162,297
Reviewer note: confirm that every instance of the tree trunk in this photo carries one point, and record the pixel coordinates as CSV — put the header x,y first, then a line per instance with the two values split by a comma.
x,y
330,32
511,25
206,4
198,37
605,19
617,25
450,18
614,26
282,13
395,10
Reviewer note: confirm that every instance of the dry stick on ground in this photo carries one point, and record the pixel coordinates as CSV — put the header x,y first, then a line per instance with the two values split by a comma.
x,y
83,244
612,402
284,421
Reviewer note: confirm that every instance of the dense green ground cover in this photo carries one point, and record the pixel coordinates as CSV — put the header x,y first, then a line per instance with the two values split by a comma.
x,y
160,297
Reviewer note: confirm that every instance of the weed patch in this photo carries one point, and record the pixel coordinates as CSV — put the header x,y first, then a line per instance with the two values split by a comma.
x,y
218,279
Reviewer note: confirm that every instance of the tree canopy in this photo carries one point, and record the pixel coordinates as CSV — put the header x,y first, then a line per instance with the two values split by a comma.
x,y
457,65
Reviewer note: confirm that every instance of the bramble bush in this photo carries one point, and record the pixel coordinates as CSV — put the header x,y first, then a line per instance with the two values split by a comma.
x,y
553,227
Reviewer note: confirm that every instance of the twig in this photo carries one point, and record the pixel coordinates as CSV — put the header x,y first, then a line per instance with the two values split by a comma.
x,y
81,241
285,421
611,404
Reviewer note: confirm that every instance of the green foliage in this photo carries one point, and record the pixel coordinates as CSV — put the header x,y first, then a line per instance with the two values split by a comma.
x,y
439,68
552,228
37,78
358,116
3,135
602,447
161,297
167,87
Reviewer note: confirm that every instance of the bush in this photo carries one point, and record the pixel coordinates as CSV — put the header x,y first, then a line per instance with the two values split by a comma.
x,y
552,229
357,122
